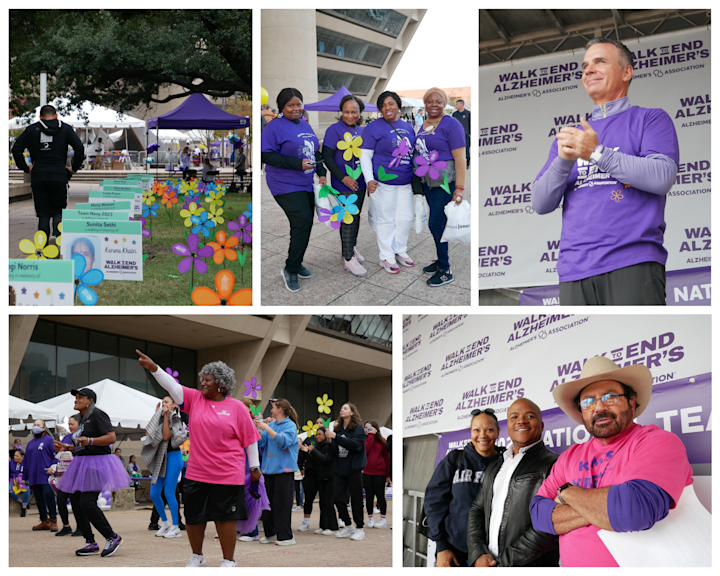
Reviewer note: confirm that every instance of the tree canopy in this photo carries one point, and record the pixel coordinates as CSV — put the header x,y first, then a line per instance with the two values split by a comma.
x,y
123,59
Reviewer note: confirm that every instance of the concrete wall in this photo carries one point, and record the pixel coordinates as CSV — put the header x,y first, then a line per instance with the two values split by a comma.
x,y
373,399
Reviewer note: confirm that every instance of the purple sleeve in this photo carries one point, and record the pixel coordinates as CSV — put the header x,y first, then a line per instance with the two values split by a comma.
x,y
541,511
269,139
654,173
549,188
369,138
636,505
456,135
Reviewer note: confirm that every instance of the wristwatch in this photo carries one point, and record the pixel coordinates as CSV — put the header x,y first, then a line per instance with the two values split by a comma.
x,y
596,154
566,485
255,469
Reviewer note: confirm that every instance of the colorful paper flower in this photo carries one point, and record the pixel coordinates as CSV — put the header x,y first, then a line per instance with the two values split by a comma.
x,y
189,186
168,199
399,153
216,214
83,280
430,165
190,199
37,248
224,282
158,188
351,146
215,197
345,209
173,373
58,239
146,232
310,428
202,224
248,213
326,215
192,254
192,210
242,228
148,197
252,387
148,210
324,404
223,247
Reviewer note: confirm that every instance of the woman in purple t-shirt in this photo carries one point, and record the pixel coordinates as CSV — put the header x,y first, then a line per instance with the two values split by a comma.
x,y
439,162
291,153
341,153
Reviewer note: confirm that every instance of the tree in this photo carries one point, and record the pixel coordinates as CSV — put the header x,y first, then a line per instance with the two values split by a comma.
x,y
123,59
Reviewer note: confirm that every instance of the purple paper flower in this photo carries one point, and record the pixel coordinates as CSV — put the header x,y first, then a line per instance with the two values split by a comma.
x,y
190,199
324,216
173,373
193,255
430,165
252,387
243,228
399,153
145,231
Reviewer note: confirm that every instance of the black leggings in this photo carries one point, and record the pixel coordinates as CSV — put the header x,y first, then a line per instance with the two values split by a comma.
x,y
62,507
328,520
280,493
311,486
353,481
349,232
299,207
87,512
374,488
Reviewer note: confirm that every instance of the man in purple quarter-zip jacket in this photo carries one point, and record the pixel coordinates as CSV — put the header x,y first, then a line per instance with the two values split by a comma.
x,y
611,174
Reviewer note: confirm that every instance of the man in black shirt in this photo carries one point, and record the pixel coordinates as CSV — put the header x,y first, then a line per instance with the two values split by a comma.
x,y
463,116
47,141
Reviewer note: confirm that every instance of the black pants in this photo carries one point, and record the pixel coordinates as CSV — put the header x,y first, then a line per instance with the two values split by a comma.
x,y
280,493
374,488
462,557
155,516
311,485
87,512
353,481
328,520
467,149
45,500
641,284
349,232
299,207
50,199
62,507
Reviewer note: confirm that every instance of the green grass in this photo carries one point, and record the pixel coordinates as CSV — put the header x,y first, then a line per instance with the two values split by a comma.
x,y
163,285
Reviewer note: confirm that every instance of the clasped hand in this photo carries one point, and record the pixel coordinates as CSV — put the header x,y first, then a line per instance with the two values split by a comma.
x,y
574,143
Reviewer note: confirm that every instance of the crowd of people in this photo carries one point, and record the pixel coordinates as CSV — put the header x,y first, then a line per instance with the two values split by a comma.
x,y
384,159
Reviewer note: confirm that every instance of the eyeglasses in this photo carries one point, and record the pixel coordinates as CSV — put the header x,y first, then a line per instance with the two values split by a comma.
x,y
488,411
609,399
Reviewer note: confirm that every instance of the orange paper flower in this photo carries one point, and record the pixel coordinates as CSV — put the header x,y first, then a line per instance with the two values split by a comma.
x,y
223,247
224,282
169,198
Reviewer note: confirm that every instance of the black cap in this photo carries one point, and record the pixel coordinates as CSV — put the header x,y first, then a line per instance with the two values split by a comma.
x,y
85,392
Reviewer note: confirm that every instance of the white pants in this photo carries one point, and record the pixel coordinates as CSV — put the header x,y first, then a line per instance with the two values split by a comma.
x,y
393,210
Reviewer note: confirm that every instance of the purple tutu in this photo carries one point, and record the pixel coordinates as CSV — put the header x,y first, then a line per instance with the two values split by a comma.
x,y
255,506
100,473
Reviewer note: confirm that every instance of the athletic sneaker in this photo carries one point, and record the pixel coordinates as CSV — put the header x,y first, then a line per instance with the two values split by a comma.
x,y
249,538
440,278
196,561
111,545
345,532
304,527
297,508
354,267
380,524
359,535
90,549
304,273
390,267
163,530
328,532
358,255
405,260
66,531
153,526
341,524
77,533
291,280
228,564
431,268
290,542
173,533
375,510
370,522
270,540
319,531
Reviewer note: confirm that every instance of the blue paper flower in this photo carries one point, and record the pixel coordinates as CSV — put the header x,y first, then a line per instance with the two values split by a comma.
x,y
148,211
202,224
345,209
92,277
248,213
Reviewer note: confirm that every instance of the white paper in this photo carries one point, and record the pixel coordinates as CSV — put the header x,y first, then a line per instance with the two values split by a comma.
x,y
683,538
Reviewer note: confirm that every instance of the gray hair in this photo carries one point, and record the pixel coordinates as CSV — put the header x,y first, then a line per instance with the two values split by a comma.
x,y
224,376
625,56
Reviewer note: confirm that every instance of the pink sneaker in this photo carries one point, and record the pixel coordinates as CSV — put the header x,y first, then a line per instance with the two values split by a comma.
x,y
405,260
358,255
390,267
353,266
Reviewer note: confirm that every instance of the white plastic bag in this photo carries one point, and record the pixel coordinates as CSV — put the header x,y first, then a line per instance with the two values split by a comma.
x,y
372,218
421,213
458,222
321,202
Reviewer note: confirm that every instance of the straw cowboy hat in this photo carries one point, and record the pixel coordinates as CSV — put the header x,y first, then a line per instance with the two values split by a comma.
x,y
638,377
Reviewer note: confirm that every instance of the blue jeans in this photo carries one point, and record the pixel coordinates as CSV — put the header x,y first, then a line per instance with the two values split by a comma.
x,y
437,199
45,500
169,482
24,498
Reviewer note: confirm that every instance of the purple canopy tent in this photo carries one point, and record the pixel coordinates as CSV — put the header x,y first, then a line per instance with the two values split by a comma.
x,y
332,103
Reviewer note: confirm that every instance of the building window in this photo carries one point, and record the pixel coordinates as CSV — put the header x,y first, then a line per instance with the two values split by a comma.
x,y
333,80
350,48
389,22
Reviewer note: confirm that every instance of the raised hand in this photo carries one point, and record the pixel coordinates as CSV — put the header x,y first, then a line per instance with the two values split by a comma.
x,y
146,362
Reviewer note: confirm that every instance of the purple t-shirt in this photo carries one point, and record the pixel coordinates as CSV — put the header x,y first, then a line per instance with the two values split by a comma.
x,y
336,133
449,135
289,139
38,457
608,225
380,136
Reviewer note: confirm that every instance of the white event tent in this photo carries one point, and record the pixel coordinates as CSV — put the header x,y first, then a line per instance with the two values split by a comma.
x,y
22,413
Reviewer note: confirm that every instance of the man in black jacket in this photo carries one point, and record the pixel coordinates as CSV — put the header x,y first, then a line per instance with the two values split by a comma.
x,y
500,531
48,141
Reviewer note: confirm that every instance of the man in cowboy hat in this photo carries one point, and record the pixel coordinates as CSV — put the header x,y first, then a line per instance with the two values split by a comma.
x,y
626,478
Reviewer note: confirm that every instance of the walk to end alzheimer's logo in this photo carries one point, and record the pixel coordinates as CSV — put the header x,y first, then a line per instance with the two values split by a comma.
x,y
466,356
446,326
572,120
407,321
687,53
503,392
499,135
530,326
517,194
410,348
655,352
422,412
550,256
538,77
417,378
697,244
692,173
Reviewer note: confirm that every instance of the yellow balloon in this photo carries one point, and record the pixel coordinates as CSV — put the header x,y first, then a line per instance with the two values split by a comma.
x,y
263,96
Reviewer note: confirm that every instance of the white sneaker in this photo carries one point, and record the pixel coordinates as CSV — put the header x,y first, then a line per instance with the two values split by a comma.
x,y
163,530
290,542
228,564
319,531
196,561
304,527
173,533
328,532
370,522
249,538
297,508
380,524
341,524
345,532
359,535
375,510
270,540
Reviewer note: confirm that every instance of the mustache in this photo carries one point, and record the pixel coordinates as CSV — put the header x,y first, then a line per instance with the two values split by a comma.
x,y
604,415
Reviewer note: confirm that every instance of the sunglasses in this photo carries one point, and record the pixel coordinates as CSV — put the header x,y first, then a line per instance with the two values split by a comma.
x,y
488,411
608,399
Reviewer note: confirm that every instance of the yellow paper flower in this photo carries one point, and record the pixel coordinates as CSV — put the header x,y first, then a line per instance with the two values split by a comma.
x,y
351,146
59,238
189,186
215,214
310,428
214,197
192,210
324,404
37,248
